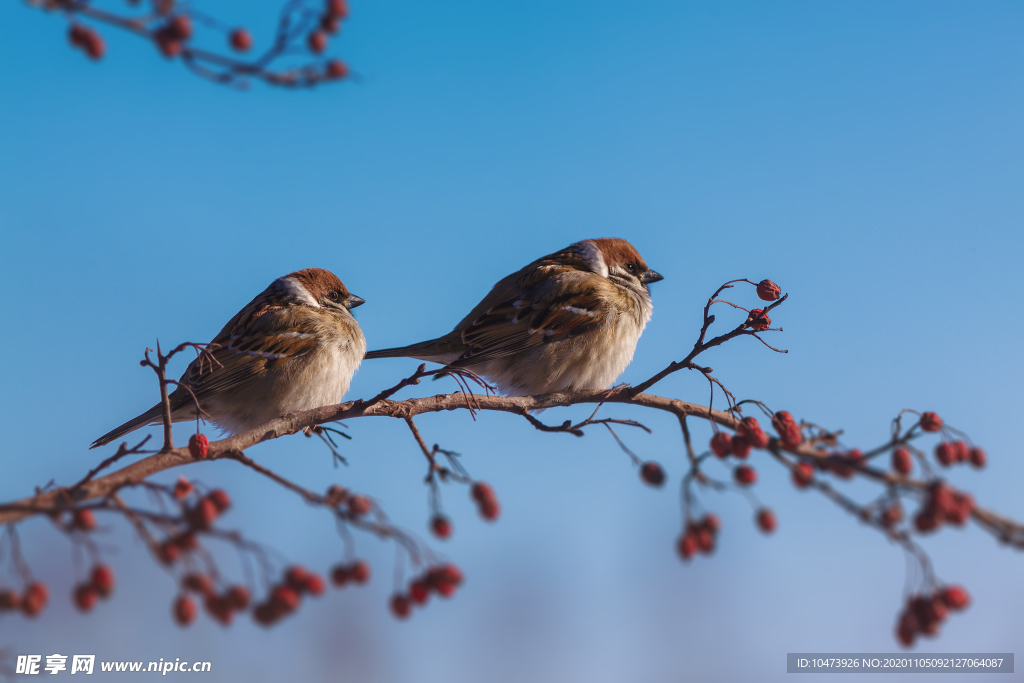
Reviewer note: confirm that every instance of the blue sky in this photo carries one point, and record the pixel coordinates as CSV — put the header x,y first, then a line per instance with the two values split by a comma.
x,y
868,157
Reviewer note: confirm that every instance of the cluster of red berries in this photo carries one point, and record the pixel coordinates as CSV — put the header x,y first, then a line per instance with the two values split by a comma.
x,y
699,536
944,504
924,614
200,516
757,319
652,473
353,572
443,580
952,452
486,501
31,602
99,585
749,435
356,503
335,12
843,465
285,597
171,37
221,606
87,40
789,431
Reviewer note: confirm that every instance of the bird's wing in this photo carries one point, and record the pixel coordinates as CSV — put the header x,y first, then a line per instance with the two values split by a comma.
x,y
555,303
260,338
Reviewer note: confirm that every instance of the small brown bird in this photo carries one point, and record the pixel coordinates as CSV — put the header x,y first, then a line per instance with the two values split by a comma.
x,y
568,321
295,347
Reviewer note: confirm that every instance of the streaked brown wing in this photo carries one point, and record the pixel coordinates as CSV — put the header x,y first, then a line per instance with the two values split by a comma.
x,y
553,307
260,338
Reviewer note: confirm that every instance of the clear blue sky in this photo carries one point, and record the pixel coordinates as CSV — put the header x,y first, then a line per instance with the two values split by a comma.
x,y
866,156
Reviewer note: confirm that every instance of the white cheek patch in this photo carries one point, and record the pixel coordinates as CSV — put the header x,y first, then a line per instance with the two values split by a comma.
x,y
296,291
593,258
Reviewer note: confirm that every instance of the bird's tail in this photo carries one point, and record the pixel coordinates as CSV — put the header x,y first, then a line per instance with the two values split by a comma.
x,y
150,416
441,350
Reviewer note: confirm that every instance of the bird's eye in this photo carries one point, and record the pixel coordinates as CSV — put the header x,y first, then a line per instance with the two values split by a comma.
x,y
630,267
334,296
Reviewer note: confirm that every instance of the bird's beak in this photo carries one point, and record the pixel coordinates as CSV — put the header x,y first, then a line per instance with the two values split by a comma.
x,y
352,301
651,276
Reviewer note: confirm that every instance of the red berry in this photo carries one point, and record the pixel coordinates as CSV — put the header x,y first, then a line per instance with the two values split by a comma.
x,y
766,521
315,585
186,541
487,502
751,429
317,41
266,614
102,580
768,290
945,453
711,521
295,577
337,8
791,436
330,24
759,320
955,597
930,422
740,446
83,519
441,526
184,610
784,417
652,473
337,69
180,27
284,598
482,491
220,499
241,40
686,546
359,505
203,514
237,598
803,475
340,575
901,460
359,571
961,451
168,552
182,488
84,597
35,599
745,475
448,573
219,608
198,583
925,521
490,510
419,591
705,538
721,444
978,457
400,606
892,515
198,444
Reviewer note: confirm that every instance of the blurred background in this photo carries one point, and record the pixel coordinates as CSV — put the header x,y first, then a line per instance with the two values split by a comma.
x,y
868,157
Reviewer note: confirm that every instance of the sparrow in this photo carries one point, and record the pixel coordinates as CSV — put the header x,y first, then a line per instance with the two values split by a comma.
x,y
569,321
295,347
